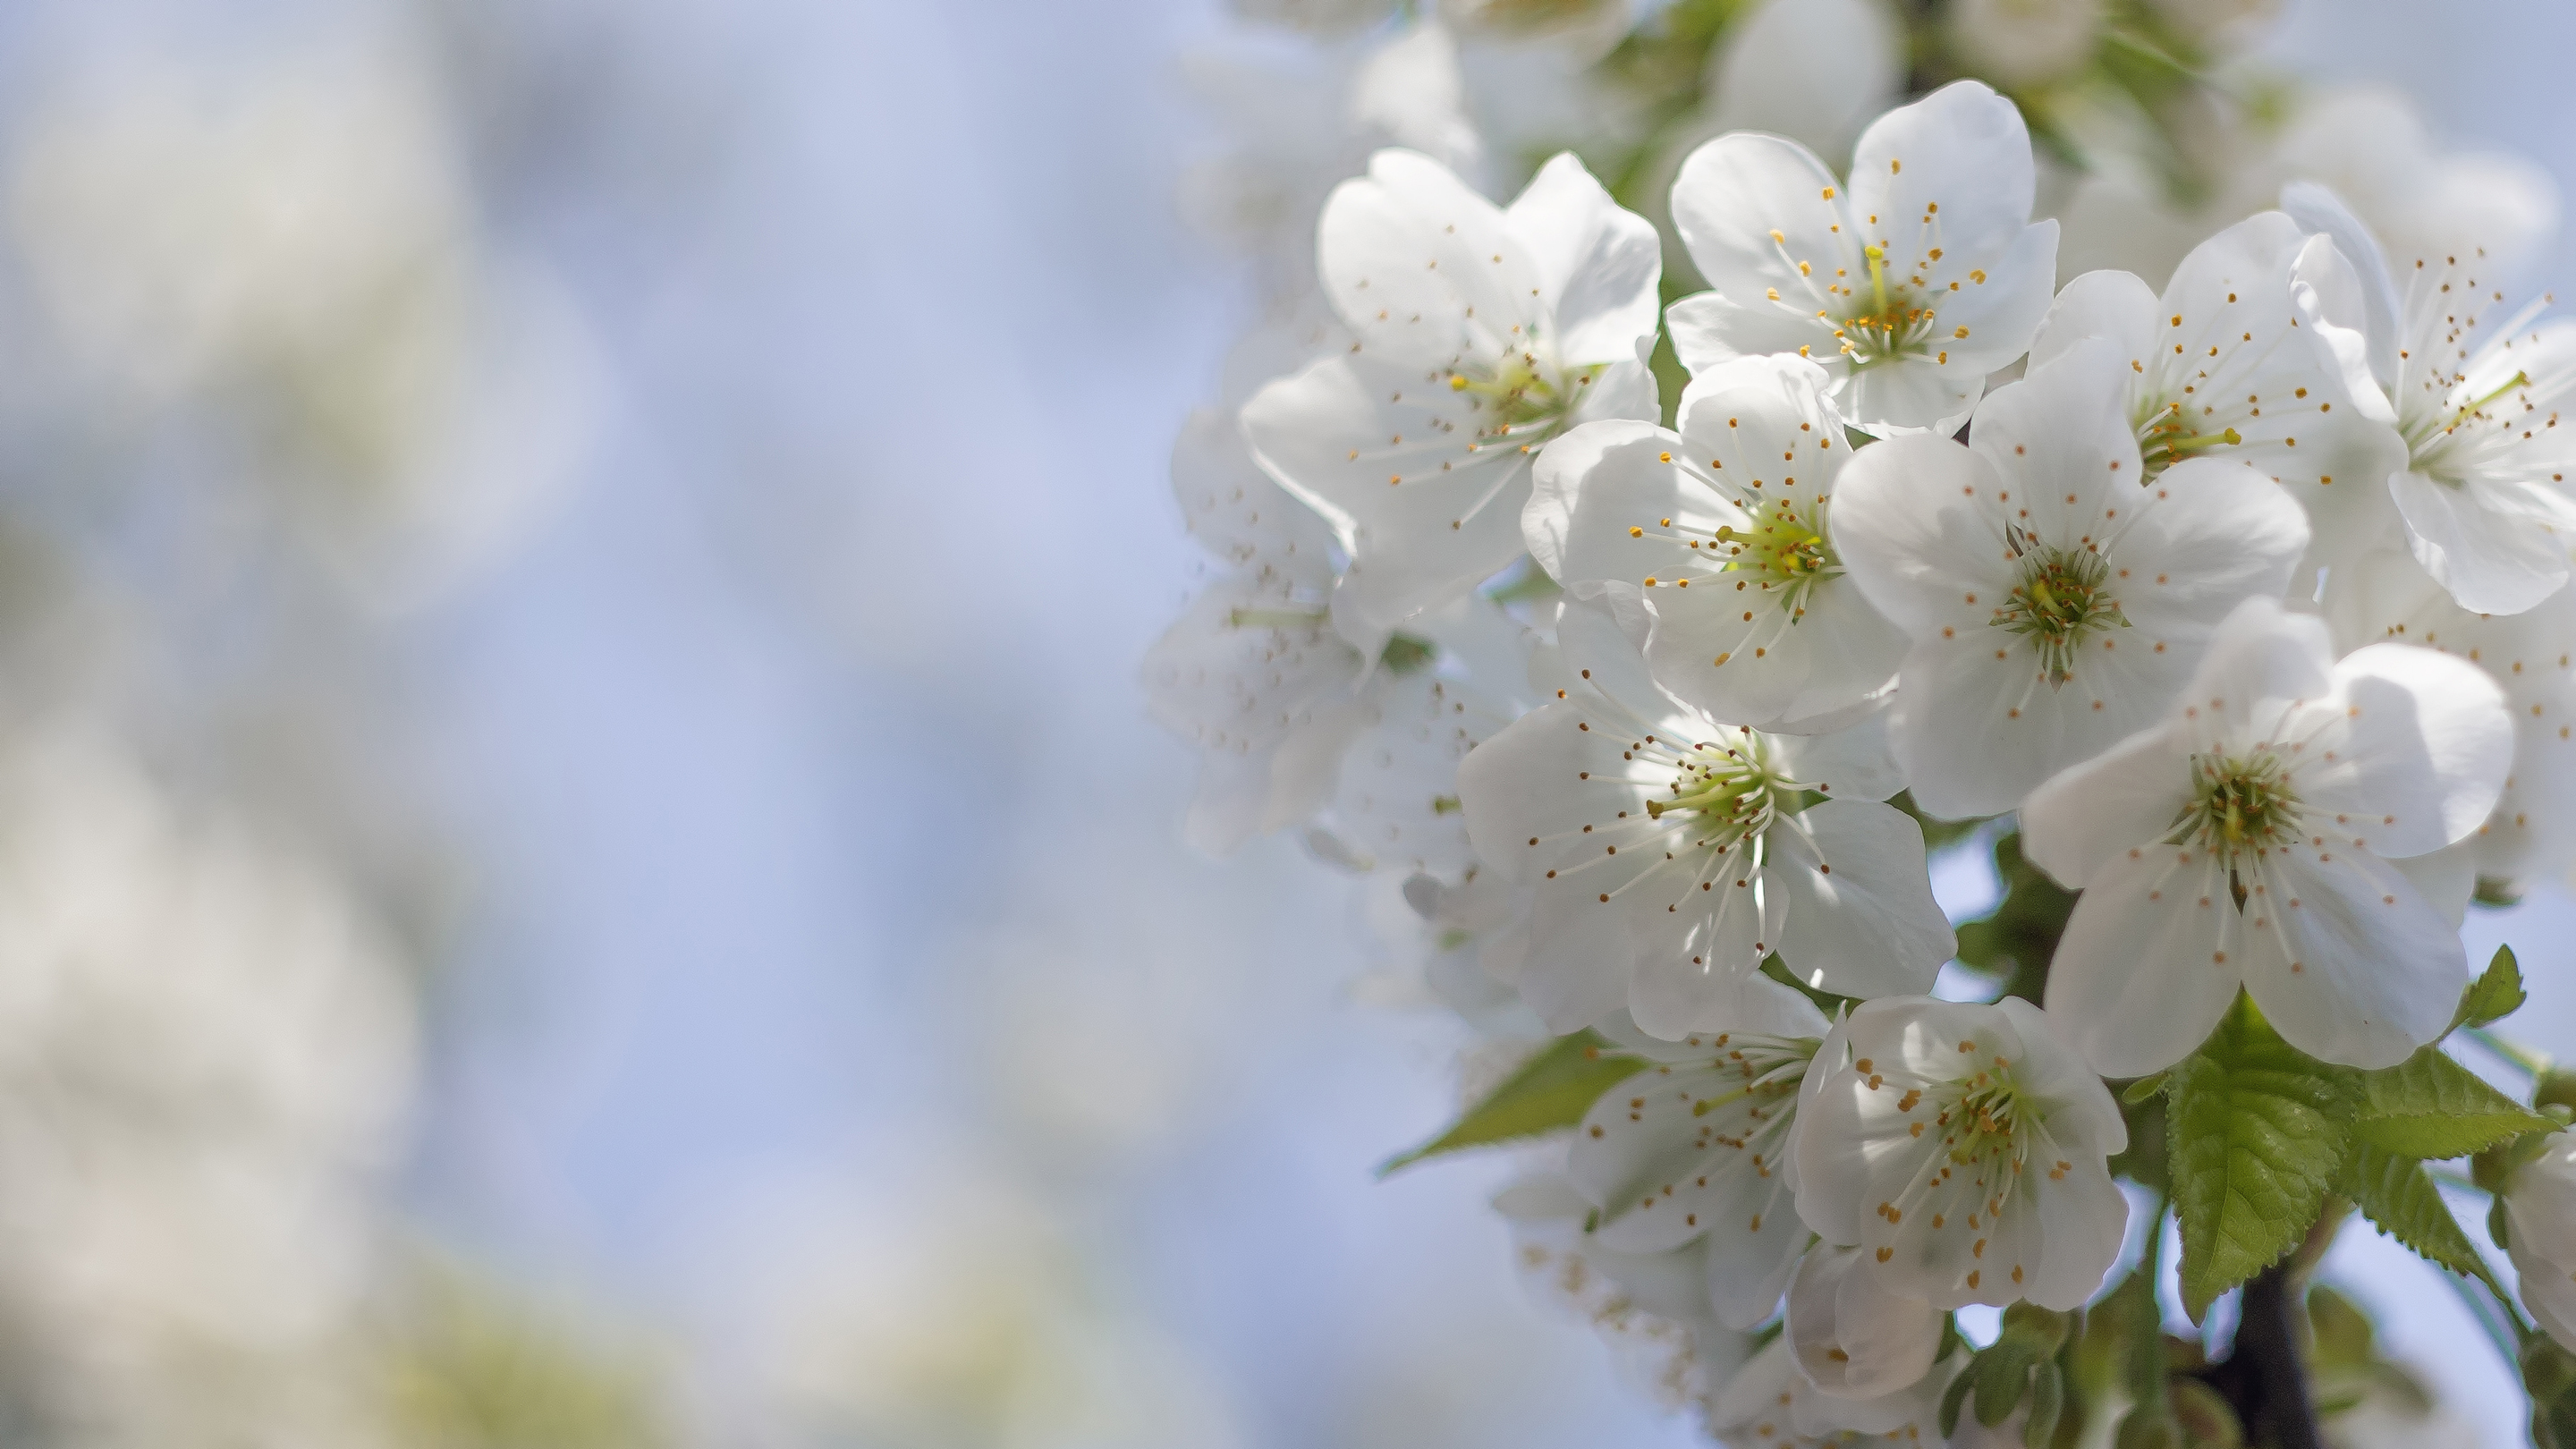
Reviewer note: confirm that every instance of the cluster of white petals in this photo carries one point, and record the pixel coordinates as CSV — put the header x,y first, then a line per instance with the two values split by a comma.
x,y
2241,590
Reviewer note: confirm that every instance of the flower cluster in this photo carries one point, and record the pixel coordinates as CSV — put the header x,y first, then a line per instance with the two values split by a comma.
x,y
2232,608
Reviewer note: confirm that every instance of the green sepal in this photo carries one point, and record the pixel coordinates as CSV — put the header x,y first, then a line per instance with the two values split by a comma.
x,y
2002,1372
1551,1090
2258,1130
2143,1088
1955,1396
2430,1106
2495,995
2399,1198
2047,1401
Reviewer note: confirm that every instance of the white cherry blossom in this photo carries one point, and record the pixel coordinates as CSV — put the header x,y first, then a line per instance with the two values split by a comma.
x,y
1854,1337
2237,359
2245,839
1712,545
1669,854
2484,493
2056,601
2540,1233
2531,835
1770,1404
1696,1147
1960,1150
1482,332
1252,672
1909,284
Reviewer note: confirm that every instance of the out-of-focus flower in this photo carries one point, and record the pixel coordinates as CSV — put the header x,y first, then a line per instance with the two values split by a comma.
x,y
1814,71
1909,284
1772,1404
2056,604
1327,17
1962,1148
1696,1147
1735,504
1483,333
2368,146
2247,838
1669,855
205,1049
1853,1335
294,241
2026,42
2484,492
2540,1233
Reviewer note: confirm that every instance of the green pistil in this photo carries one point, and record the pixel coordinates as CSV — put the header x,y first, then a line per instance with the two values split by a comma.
x,y
1404,654
1734,792
2164,439
2059,602
2472,409
1782,550
2238,805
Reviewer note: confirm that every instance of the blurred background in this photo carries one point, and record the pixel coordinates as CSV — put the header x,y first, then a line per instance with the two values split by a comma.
x,y
581,858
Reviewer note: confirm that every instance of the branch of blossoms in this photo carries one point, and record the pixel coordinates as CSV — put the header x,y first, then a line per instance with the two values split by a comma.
x,y
1654,573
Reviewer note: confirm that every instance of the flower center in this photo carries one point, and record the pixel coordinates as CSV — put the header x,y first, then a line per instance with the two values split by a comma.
x,y
2058,603
1894,326
1984,1123
2440,440
1735,792
2164,439
1522,396
2239,805
1782,549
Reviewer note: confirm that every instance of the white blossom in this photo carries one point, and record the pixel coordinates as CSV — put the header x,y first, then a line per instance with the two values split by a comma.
x,y
1733,506
1770,1404
2245,839
1909,284
1852,1335
1482,333
2238,360
2057,602
2540,1234
1696,1146
2387,596
2483,493
1668,854
1813,71
1961,1150
1252,672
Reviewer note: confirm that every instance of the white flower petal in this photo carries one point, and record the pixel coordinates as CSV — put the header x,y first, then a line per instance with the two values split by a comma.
x,y
1596,263
2206,535
1595,483
1234,509
2084,818
2142,974
1861,920
1986,325
1910,395
2413,755
1729,199
1961,151
2347,962
2498,550
1422,268
2114,306
1852,1338
1907,523
1710,330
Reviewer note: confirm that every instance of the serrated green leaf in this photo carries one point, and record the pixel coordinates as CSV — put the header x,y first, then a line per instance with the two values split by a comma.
x,y
2258,1129
2495,995
1551,1090
2398,1195
2430,1106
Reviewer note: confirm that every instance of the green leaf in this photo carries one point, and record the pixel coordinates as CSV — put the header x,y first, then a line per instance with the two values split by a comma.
x,y
2430,1106
2258,1129
2398,1195
1551,1090
2495,995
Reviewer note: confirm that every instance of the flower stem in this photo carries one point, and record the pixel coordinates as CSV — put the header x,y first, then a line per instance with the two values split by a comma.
x,y
2267,1339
